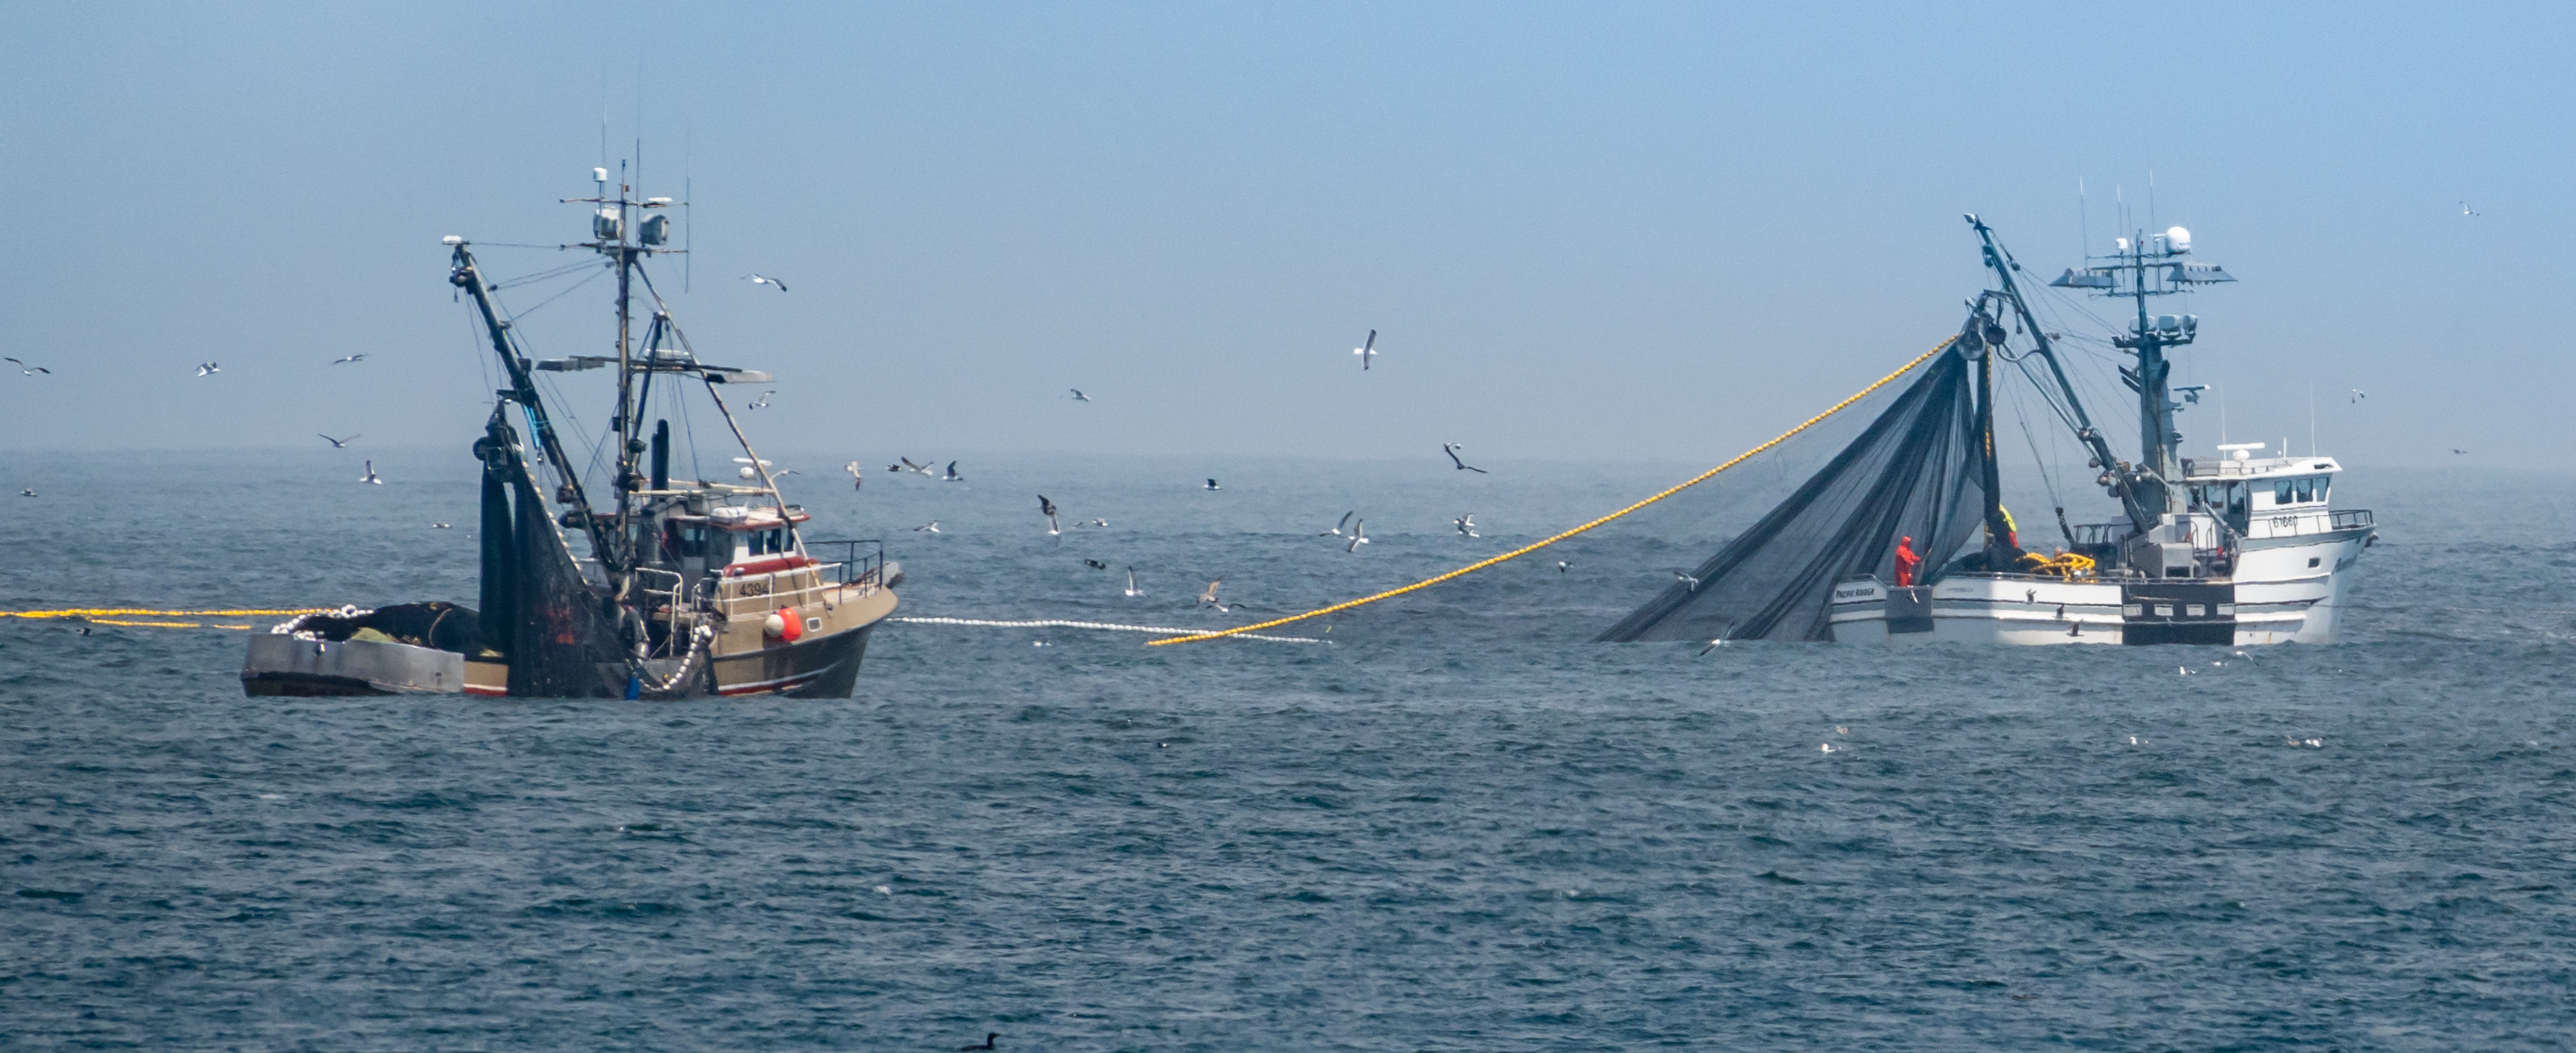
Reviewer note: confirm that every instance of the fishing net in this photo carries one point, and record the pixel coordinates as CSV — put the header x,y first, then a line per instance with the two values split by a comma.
x,y
1912,472
537,610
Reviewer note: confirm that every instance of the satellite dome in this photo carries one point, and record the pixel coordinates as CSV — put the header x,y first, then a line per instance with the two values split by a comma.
x,y
2178,239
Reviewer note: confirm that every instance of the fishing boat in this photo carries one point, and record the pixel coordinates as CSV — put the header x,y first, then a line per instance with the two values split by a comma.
x,y
1903,537
680,588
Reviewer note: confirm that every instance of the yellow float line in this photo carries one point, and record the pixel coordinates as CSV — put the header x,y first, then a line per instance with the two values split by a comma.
x,y
97,612
1535,546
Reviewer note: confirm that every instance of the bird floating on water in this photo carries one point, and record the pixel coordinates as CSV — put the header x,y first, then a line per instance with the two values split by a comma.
x,y
28,492
1452,448
757,279
26,370
438,526
1367,351
1078,396
1466,524
359,357
1093,523
1095,564
1337,527
370,477
338,444
208,369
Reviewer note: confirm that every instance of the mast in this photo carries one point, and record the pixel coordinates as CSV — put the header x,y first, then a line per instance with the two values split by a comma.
x,y
2152,265
465,274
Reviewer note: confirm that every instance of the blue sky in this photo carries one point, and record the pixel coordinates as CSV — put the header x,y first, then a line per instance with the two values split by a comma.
x,y
1582,231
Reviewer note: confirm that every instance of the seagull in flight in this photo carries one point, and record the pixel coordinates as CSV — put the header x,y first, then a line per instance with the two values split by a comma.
x,y
1721,642
1467,525
2358,395
338,444
1367,351
932,526
359,357
756,279
1078,396
952,476
1211,485
370,477
1047,509
2465,210
762,402
2457,450
1132,590
1561,565
910,467
26,370
1686,579
1359,536
1207,596
208,369
1337,527
858,479
1452,448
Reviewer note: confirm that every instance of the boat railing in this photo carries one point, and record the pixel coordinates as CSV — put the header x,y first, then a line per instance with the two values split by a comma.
x,y
2350,519
2089,535
646,578
862,561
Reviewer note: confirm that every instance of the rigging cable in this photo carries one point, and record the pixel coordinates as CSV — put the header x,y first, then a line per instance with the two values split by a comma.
x,y
1553,539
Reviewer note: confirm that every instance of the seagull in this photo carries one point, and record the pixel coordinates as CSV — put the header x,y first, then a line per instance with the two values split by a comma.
x,y
911,467
2465,210
1467,524
1132,590
208,369
988,1042
1716,643
359,357
2457,450
26,370
932,526
1211,485
1078,396
2358,395
1207,597
1687,580
370,477
439,526
762,402
28,492
1452,449
1047,508
858,479
1367,351
1337,527
1561,565
1095,564
1359,536
756,279
338,444
1093,523
952,476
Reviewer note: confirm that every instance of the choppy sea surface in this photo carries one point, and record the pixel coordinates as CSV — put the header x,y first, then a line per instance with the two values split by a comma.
x,y
1457,825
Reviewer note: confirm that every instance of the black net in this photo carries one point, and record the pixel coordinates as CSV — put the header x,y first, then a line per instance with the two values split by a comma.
x,y
554,627
1912,472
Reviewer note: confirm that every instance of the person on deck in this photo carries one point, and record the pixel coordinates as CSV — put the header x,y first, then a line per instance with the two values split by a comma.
x,y
1906,561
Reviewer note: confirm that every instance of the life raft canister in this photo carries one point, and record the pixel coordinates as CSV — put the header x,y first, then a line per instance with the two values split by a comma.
x,y
784,624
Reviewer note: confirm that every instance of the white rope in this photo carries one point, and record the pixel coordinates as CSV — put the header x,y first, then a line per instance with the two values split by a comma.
x,y
1051,623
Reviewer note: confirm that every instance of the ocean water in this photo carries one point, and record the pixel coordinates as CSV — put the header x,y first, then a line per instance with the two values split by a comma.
x,y
1455,826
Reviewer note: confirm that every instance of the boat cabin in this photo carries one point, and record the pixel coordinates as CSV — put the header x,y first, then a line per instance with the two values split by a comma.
x,y
2262,497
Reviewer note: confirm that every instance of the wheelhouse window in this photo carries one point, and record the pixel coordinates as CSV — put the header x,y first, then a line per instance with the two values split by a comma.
x,y
2284,491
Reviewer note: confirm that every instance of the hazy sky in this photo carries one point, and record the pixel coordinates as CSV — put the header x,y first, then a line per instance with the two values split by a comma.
x,y
1581,230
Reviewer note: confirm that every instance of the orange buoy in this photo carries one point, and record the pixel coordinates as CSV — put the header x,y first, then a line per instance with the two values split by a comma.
x,y
785,625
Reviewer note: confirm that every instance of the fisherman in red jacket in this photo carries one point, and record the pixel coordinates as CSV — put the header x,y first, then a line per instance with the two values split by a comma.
x,y
1906,561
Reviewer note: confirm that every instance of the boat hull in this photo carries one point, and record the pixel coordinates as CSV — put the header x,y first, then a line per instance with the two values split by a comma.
x,y
2301,606
280,664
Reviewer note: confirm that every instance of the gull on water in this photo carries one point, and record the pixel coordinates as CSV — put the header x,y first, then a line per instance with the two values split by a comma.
x,y
1337,527
1466,524
952,476
1452,448
932,526
1359,536
1093,523
370,477
1132,590
338,444
28,492
359,357
757,279
1047,509
208,369
1078,396
1367,351
1095,564
439,526
26,370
